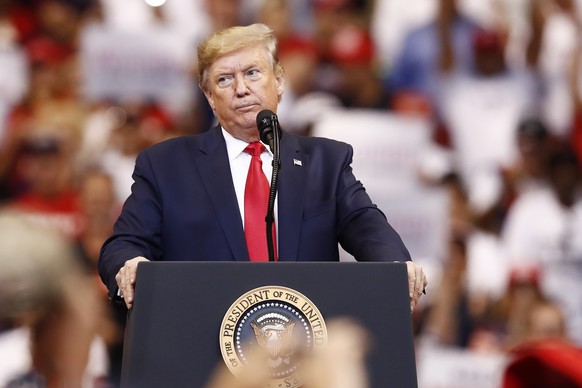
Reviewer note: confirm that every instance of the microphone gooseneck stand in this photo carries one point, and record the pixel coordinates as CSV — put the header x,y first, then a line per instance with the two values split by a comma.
x,y
270,217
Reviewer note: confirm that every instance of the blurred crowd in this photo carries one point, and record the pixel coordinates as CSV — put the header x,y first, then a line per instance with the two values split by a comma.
x,y
498,81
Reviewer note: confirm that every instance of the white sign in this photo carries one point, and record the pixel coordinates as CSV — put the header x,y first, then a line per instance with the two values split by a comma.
x,y
387,154
457,368
149,64
387,147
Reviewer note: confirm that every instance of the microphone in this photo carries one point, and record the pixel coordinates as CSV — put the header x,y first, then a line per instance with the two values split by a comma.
x,y
269,132
268,126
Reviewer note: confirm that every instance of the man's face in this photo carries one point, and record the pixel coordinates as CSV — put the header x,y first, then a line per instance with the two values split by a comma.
x,y
240,85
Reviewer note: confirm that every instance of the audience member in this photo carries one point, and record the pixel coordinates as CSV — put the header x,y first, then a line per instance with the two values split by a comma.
x,y
13,74
534,144
300,59
448,321
545,357
574,80
512,308
541,231
139,125
48,196
304,99
481,111
441,47
551,51
391,21
99,209
352,52
43,291
338,364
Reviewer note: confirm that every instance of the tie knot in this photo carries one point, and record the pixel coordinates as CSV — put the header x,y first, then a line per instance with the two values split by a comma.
x,y
255,148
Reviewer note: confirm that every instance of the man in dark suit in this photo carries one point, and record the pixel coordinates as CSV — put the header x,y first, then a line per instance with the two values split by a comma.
x,y
188,199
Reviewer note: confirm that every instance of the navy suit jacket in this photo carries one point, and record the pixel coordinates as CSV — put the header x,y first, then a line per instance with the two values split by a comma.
x,y
183,207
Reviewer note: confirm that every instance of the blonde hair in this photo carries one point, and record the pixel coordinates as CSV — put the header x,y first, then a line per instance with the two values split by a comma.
x,y
35,265
235,38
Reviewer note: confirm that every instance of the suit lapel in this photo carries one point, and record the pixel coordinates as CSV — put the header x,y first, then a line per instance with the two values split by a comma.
x,y
214,169
294,167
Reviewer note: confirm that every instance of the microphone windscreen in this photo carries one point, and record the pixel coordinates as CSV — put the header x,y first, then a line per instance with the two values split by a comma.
x,y
265,125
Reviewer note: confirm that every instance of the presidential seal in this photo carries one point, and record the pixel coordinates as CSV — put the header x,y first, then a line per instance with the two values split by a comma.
x,y
275,325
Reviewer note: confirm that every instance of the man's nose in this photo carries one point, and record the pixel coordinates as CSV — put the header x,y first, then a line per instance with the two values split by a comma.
x,y
240,86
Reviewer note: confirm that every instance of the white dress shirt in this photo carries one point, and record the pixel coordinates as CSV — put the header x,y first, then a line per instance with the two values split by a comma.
x,y
239,162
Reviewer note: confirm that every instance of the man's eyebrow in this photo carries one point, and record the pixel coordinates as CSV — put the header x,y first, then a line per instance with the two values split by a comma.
x,y
251,65
222,71
229,71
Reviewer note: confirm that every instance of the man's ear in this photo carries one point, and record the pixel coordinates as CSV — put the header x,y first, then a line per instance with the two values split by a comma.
x,y
280,80
208,96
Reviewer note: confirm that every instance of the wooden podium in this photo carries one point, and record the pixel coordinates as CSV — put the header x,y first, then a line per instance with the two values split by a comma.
x,y
185,313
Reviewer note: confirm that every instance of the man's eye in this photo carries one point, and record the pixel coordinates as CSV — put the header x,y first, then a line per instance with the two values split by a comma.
x,y
253,73
224,81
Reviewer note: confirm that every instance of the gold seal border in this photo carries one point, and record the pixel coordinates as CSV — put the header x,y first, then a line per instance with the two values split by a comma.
x,y
262,295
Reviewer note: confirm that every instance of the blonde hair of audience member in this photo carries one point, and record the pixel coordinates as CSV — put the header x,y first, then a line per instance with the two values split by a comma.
x,y
338,364
545,320
341,363
515,306
35,266
277,15
223,13
232,39
42,287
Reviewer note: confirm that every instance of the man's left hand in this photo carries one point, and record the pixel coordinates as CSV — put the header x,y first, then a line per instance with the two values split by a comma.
x,y
416,282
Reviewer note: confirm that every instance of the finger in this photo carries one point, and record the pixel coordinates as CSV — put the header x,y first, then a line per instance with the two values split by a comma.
x,y
130,273
128,304
119,277
422,280
128,291
123,280
413,303
419,280
127,281
416,297
411,284
411,278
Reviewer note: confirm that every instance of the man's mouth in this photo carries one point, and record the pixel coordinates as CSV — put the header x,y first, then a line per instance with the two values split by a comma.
x,y
246,107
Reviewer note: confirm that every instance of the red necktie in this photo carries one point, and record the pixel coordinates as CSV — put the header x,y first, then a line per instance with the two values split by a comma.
x,y
256,202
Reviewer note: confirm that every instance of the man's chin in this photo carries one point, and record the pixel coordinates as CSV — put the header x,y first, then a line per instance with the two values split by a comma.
x,y
245,129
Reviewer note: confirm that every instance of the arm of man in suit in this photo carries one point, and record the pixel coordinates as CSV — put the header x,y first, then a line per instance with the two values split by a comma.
x,y
365,232
136,233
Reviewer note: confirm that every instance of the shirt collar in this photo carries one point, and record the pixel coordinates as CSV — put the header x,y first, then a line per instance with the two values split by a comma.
x,y
235,146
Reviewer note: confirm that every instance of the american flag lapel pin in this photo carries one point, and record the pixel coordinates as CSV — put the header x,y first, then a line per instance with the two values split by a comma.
x,y
297,162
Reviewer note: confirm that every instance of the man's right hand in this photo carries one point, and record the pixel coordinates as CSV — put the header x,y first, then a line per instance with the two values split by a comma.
x,y
125,279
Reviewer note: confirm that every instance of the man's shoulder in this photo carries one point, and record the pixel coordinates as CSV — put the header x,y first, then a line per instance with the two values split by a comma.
x,y
180,144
